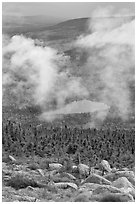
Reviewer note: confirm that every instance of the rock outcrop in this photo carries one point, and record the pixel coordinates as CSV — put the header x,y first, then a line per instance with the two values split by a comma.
x,y
84,184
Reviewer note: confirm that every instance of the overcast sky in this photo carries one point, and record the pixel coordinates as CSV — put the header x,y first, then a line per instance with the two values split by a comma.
x,y
63,10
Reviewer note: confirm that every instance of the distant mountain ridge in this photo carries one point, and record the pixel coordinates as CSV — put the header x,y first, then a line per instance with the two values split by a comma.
x,y
24,24
21,24
14,24
79,21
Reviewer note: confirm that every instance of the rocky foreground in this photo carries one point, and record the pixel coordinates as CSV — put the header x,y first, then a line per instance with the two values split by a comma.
x,y
54,182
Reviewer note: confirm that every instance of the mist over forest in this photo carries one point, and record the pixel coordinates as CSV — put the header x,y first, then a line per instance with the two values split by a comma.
x,y
51,68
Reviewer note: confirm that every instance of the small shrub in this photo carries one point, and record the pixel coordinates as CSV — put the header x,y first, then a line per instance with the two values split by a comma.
x,y
20,181
44,163
33,166
113,143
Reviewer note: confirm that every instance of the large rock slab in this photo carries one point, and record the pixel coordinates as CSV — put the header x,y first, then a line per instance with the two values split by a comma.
x,y
124,185
122,182
130,191
114,176
112,197
106,189
94,178
83,197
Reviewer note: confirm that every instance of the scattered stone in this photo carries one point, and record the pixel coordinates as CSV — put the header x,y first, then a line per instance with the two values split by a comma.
x,y
73,185
53,172
106,166
17,168
95,171
74,169
55,166
94,178
83,169
65,185
113,170
7,172
29,199
6,178
5,169
4,166
68,175
30,188
63,177
41,172
125,169
12,158
88,187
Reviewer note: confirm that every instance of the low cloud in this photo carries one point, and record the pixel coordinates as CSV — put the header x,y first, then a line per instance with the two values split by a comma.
x,y
38,75
110,64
